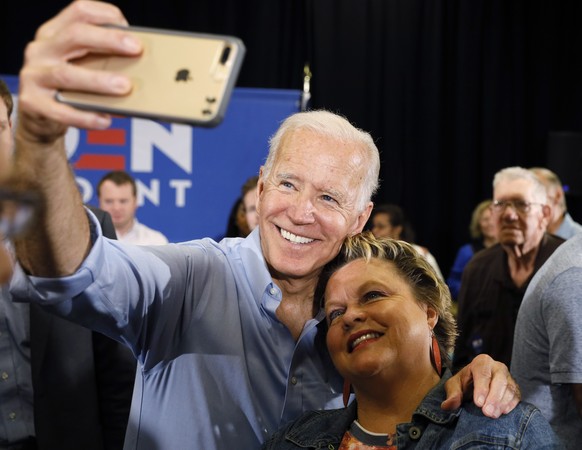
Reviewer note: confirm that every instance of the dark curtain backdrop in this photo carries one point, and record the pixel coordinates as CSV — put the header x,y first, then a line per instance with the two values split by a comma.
x,y
451,90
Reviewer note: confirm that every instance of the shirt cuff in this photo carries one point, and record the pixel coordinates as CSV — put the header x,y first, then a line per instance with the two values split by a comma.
x,y
51,291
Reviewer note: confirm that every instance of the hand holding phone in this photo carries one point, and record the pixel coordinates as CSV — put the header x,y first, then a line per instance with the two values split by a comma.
x,y
179,77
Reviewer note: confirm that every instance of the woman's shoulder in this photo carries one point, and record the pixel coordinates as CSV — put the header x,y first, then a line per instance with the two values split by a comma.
x,y
523,411
311,427
524,424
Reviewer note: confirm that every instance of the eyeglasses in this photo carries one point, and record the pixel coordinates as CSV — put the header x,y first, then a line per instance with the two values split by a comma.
x,y
520,206
17,211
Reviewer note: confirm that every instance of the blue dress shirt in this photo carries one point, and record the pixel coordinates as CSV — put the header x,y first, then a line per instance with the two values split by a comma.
x,y
16,411
217,370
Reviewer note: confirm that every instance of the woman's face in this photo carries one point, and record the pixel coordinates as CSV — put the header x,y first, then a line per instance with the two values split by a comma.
x,y
382,228
376,326
488,224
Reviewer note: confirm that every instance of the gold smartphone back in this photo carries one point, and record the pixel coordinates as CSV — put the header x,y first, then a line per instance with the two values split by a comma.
x,y
179,77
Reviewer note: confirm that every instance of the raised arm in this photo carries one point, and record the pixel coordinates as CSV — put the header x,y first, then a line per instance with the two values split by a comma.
x,y
60,241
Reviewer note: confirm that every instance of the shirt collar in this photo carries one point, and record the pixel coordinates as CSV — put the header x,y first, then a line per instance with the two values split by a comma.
x,y
430,407
255,265
257,271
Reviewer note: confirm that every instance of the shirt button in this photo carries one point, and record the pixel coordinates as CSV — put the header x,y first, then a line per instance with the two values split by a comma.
x,y
12,416
293,381
414,433
4,376
272,291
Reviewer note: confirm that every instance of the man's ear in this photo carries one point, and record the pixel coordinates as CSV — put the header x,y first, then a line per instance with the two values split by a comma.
x,y
362,219
546,215
260,189
559,196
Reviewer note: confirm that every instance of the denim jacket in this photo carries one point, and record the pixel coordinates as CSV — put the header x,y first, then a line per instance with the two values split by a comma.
x,y
431,428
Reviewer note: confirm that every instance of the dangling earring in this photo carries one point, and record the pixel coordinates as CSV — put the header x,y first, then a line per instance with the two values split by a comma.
x,y
435,354
347,391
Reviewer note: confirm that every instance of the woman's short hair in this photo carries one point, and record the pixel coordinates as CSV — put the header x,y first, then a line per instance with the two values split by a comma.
x,y
335,126
426,285
475,226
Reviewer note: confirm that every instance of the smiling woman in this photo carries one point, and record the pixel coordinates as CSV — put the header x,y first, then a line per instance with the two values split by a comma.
x,y
390,333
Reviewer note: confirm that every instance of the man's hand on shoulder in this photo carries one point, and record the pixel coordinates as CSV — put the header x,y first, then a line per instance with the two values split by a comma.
x,y
494,390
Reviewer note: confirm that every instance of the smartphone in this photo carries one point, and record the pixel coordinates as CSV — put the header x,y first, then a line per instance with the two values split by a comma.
x,y
179,77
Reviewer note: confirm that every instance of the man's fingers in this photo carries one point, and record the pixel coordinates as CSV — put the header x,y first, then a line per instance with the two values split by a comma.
x,y
75,32
79,39
98,13
453,401
511,398
43,119
494,390
455,388
45,127
486,388
73,78
494,384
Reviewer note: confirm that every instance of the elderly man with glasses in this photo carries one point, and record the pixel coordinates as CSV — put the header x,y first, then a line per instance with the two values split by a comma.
x,y
495,280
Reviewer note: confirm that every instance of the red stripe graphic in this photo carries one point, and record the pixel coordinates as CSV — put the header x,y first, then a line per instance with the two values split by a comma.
x,y
100,162
106,137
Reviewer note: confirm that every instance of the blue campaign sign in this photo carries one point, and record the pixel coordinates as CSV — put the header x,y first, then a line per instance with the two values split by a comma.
x,y
188,178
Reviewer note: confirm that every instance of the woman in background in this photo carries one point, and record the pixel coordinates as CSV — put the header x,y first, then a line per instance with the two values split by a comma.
x,y
483,231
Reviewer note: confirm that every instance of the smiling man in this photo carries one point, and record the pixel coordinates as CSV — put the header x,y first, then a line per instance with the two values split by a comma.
x,y
224,332
495,279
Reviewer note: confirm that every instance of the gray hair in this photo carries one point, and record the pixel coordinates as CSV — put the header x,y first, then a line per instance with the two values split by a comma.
x,y
337,127
519,173
552,183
